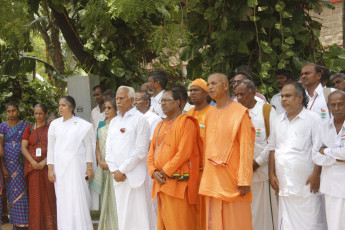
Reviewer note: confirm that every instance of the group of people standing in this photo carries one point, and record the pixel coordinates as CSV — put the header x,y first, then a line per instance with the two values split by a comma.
x,y
233,161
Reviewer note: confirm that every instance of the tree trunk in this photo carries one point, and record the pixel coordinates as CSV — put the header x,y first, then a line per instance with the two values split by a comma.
x,y
73,40
343,23
56,45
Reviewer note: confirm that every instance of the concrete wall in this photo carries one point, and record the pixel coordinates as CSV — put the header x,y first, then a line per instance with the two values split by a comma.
x,y
331,32
80,88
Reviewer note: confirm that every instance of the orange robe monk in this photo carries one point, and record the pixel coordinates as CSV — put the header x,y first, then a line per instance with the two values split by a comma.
x,y
230,138
200,116
175,149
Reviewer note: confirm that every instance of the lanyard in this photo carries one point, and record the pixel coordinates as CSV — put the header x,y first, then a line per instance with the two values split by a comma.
x,y
313,102
39,139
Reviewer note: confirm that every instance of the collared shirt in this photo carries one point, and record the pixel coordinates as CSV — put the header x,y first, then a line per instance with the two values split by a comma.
x,y
292,142
127,145
153,120
260,152
156,105
333,172
96,117
318,103
276,101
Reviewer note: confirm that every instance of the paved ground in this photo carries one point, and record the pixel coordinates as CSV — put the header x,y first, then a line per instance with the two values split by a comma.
x,y
9,226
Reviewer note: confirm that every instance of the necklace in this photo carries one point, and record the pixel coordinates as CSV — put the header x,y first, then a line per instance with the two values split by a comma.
x,y
158,145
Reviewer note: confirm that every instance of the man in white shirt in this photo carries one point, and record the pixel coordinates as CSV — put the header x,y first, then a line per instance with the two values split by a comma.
x,y
264,203
330,154
283,76
291,169
95,113
338,81
126,152
310,76
157,83
142,103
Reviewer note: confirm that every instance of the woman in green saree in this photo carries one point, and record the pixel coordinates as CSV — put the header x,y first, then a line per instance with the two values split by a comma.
x,y
102,182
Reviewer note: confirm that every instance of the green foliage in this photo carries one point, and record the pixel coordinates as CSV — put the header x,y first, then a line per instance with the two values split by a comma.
x,y
18,85
265,35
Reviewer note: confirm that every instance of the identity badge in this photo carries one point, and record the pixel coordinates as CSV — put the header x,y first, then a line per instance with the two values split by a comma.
x,y
38,152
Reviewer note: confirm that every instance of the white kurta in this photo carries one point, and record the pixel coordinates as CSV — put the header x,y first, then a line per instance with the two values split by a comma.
x,y
153,120
264,203
333,172
69,149
276,101
293,142
156,105
318,103
126,150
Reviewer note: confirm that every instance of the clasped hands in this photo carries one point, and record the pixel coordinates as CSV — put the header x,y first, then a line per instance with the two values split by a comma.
x,y
119,176
160,177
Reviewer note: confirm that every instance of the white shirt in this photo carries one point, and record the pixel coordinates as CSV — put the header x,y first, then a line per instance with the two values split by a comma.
x,y
260,153
96,117
153,120
276,101
156,105
293,142
318,103
333,172
127,146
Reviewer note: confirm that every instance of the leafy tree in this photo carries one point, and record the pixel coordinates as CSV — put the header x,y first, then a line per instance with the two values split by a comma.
x,y
265,35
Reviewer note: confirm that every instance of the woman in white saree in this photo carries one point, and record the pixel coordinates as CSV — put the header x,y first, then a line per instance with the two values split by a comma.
x,y
70,157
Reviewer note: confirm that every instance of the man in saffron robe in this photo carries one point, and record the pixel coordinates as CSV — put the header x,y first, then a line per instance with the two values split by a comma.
x,y
173,162
199,96
228,171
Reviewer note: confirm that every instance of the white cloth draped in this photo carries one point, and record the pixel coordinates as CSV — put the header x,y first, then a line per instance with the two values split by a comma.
x,y
126,150
70,147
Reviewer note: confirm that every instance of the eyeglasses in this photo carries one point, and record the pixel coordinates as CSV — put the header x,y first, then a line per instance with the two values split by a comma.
x,y
233,82
108,107
165,100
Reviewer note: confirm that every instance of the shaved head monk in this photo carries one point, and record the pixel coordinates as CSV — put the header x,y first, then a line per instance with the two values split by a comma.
x,y
173,162
228,171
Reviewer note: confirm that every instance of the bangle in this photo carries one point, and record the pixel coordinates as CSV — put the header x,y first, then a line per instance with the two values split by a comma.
x,y
90,168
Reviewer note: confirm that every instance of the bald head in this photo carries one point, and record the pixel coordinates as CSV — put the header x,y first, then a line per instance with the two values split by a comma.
x,y
336,105
218,86
337,94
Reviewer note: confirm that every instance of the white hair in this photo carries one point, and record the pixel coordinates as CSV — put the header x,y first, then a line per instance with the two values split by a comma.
x,y
130,92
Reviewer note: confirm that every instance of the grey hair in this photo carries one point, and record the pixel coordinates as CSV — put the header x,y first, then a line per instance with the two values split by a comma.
x,y
250,84
131,91
341,75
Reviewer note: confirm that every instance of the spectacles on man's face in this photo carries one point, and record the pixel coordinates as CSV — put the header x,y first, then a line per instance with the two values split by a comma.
x,y
165,100
233,82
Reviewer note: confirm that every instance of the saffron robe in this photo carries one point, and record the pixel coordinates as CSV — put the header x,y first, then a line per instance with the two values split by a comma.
x,y
176,152
229,138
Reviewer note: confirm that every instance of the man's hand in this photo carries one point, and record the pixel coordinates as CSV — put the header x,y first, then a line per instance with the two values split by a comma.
x,y
322,150
243,190
89,173
314,181
119,176
159,177
274,182
255,165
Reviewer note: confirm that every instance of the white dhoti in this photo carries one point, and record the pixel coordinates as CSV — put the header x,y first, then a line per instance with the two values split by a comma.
x,y
134,209
73,198
335,212
301,213
264,206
